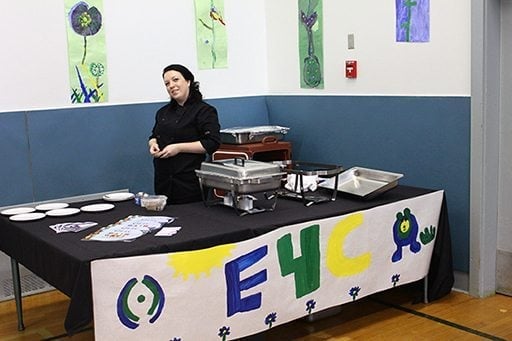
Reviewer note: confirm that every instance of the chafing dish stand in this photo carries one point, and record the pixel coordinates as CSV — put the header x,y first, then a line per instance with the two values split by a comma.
x,y
249,186
299,169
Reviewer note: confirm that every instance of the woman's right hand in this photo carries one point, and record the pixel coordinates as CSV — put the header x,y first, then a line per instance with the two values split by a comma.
x,y
154,149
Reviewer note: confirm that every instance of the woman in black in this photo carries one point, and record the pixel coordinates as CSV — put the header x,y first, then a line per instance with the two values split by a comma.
x,y
185,130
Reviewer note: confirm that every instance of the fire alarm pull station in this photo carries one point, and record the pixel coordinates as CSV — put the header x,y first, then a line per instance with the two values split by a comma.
x,y
351,69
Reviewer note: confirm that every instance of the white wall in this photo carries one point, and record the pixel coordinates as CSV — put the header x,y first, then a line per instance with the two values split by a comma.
x,y
385,67
141,38
33,54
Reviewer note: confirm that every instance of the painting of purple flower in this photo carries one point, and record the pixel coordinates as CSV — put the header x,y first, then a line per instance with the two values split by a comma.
x,y
85,21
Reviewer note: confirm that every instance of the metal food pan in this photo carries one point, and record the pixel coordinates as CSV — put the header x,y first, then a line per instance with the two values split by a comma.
x,y
367,183
238,185
240,168
244,135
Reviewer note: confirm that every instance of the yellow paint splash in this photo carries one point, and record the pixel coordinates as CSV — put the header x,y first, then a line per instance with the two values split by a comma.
x,y
198,262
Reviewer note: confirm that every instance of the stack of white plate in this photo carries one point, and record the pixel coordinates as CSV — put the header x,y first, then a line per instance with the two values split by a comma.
x,y
23,214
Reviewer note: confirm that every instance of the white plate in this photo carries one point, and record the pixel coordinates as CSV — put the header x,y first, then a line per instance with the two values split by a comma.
x,y
118,196
51,206
27,216
97,207
18,210
61,212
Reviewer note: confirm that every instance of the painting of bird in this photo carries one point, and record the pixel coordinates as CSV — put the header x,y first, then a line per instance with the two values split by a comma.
x,y
216,16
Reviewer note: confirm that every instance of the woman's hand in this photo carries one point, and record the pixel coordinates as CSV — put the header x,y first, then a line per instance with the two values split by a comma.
x,y
174,149
169,151
154,149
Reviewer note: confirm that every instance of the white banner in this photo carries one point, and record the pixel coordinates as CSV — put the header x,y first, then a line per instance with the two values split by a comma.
x,y
234,290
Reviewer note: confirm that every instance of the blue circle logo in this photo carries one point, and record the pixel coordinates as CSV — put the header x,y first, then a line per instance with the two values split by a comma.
x,y
126,315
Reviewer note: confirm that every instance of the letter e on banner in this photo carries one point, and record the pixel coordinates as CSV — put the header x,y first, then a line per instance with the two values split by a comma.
x,y
235,285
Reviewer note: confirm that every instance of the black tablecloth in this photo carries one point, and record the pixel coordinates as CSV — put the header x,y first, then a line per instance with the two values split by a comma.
x,y
63,260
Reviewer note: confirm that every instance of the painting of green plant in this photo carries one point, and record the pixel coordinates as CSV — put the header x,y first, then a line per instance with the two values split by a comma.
x,y
311,44
86,51
211,34
412,20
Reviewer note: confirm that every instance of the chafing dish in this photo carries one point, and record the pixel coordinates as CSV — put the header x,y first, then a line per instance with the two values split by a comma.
x,y
298,171
242,180
243,135
365,183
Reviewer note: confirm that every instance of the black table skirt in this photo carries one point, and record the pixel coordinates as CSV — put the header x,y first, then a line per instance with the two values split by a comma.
x,y
63,260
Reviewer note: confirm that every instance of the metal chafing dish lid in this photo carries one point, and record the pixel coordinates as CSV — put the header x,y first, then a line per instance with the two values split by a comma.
x,y
240,168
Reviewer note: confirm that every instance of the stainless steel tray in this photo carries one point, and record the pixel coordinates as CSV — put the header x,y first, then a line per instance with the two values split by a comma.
x,y
364,182
243,135
240,168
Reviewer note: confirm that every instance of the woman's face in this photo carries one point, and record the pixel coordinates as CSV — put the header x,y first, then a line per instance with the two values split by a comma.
x,y
177,86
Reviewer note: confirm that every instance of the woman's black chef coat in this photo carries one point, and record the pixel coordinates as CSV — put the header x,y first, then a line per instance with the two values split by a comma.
x,y
175,176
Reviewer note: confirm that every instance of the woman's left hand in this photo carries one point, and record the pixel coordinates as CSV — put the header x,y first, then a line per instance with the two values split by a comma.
x,y
169,151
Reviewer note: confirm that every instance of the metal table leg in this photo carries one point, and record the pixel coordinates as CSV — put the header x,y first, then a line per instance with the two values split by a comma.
x,y
16,283
425,289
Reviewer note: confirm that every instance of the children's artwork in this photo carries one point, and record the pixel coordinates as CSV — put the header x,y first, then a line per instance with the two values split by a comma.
x,y
86,51
311,44
211,35
412,20
230,291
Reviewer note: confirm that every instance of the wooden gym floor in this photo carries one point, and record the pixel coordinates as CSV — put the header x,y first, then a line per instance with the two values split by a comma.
x,y
389,315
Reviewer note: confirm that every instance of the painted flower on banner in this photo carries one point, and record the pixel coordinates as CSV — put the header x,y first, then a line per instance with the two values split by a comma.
x,y
395,279
308,20
85,21
271,318
224,332
310,305
353,292
97,69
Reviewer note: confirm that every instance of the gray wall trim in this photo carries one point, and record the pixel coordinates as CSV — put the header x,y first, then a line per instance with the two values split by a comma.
x,y
485,82
504,273
461,282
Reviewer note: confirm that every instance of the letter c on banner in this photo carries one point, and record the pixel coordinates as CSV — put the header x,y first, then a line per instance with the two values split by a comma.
x,y
337,262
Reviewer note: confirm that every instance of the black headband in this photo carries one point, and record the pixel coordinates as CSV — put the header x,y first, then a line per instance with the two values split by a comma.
x,y
181,69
